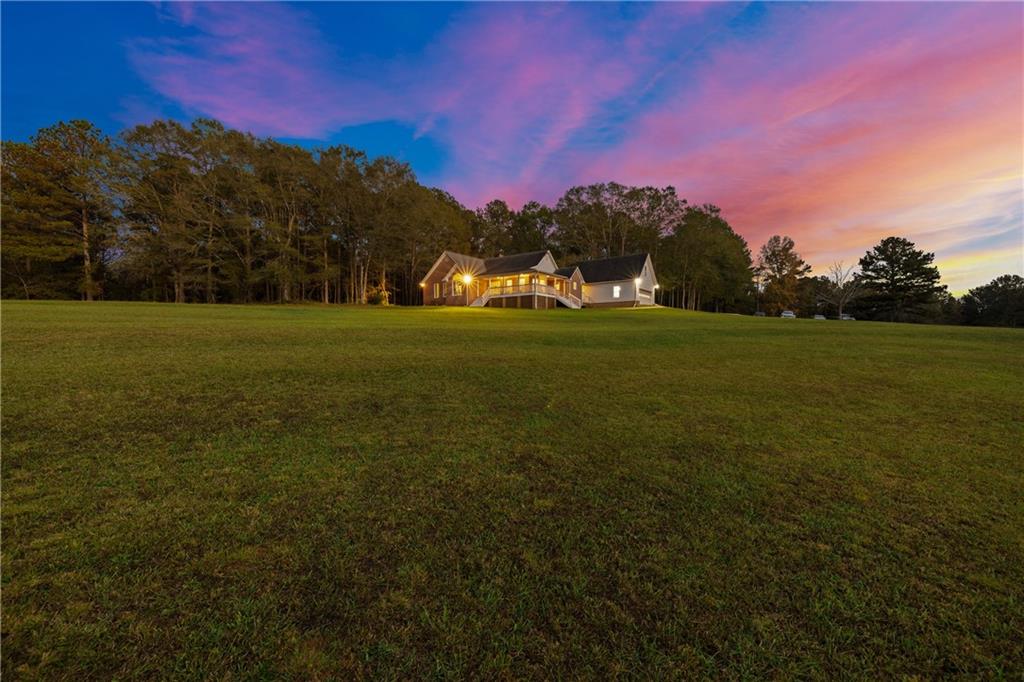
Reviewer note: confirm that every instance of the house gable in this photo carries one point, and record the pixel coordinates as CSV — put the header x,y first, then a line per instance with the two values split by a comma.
x,y
458,279
443,261
622,281
547,264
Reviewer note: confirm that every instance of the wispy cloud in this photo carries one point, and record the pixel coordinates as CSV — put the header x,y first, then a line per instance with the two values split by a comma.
x,y
836,124
264,68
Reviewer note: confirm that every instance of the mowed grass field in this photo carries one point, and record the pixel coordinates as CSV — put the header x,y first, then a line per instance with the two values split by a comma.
x,y
220,492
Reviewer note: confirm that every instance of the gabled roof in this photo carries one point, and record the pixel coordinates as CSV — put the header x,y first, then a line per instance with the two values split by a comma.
x,y
461,261
501,265
516,263
604,270
468,263
612,269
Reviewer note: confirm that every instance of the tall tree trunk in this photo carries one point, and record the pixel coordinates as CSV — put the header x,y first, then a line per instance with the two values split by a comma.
x,y
179,287
24,283
302,278
247,264
338,295
286,278
327,284
210,297
364,279
352,270
87,263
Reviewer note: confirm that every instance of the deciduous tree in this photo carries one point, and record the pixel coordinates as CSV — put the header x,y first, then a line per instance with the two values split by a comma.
x,y
840,287
68,181
781,269
999,303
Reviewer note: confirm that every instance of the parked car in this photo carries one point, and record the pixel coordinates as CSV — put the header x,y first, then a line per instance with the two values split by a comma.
x,y
819,317
788,314
759,313
847,317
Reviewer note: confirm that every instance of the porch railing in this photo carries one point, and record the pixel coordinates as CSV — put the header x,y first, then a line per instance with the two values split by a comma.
x,y
529,289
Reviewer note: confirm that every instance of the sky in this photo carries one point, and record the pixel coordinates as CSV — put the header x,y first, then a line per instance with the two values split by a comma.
x,y
837,124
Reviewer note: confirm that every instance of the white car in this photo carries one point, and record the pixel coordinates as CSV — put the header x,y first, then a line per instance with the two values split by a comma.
x,y
788,314
819,317
847,317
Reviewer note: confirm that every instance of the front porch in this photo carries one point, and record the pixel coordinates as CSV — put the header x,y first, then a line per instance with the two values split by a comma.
x,y
529,280
526,290
531,294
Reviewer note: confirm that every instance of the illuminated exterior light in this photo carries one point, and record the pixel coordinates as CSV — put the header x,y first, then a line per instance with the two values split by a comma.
x,y
422,285
637,281
467,278
657,286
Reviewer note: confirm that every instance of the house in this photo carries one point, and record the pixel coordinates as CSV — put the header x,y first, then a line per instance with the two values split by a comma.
x,y
621,281
534,280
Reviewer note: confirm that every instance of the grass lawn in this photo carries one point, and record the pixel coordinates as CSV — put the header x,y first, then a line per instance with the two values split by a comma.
x,y
222,492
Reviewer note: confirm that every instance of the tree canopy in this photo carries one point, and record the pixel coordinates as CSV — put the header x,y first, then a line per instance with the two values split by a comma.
x,y
202,213
1000,303
780,270
899,281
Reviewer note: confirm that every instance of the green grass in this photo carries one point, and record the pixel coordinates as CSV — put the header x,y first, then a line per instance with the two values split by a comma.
x,y
309,492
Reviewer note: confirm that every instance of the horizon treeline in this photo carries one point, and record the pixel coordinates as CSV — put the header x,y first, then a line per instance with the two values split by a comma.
x,y
201,213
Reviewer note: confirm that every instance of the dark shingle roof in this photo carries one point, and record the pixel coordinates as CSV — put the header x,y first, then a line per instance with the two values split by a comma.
x,y
466,263
519,262
612,269
566,271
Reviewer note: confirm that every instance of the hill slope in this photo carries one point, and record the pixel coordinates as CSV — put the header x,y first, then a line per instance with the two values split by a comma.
x,y
213,491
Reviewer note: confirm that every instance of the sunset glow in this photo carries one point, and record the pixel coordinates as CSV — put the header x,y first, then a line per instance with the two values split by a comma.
x,y
837,124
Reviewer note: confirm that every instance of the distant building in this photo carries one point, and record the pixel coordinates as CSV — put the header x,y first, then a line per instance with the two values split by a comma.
x,y
534,280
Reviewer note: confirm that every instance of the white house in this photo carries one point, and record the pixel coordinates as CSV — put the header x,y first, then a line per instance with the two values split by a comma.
x,y
621,281
533,280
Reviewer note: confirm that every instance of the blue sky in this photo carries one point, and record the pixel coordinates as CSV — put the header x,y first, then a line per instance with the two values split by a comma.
x,y
89,76
837,124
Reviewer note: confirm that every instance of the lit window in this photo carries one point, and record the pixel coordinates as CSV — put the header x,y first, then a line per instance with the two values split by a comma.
x,y
616,290
437,290
574,286
458,288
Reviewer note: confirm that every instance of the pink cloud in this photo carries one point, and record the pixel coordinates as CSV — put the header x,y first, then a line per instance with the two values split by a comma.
x,y
837,124
527,79
839,154
267,70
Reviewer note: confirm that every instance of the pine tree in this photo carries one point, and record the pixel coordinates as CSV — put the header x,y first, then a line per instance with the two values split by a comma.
x,y
899,280
39,241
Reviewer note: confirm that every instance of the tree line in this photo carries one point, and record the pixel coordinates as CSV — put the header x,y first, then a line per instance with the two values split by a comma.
x,y
202,213
893,282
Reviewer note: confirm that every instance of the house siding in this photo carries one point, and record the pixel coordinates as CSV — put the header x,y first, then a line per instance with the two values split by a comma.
x,y
436,276
601,294
577,280
444,274
447,287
